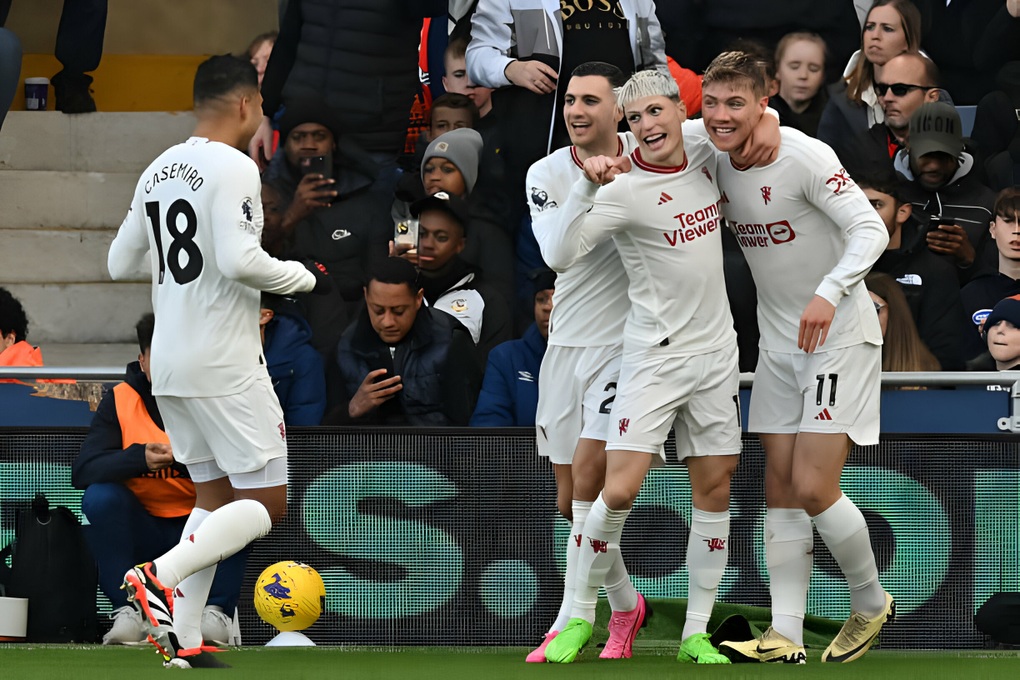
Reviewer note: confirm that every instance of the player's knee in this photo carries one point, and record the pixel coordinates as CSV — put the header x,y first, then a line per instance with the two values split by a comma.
x,y
810,494
619,496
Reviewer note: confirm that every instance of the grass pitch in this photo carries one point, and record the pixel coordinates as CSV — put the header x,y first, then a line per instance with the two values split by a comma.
x,y
64,662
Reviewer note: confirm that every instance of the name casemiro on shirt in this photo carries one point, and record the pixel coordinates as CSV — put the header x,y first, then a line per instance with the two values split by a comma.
x,y
180,171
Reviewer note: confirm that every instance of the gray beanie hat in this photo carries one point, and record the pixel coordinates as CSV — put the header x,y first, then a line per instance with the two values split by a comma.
x,y
463,148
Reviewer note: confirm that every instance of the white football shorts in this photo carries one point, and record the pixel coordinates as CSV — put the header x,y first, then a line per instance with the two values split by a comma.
x,y
696,395
576,389
824,392
240,432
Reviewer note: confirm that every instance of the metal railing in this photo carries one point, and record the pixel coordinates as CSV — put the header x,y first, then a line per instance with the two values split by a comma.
x,y
1009,379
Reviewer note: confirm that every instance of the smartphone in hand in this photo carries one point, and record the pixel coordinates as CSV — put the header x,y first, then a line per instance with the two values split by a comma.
x,y
405,232
320,165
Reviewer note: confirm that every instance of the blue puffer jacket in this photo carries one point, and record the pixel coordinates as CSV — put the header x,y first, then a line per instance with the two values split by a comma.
x,y
296,368
509,394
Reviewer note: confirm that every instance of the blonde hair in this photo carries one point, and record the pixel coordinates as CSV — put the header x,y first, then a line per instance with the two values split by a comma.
x,y
647,84
734,66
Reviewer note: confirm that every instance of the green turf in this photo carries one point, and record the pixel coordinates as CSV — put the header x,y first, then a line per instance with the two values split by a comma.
x,y
38,662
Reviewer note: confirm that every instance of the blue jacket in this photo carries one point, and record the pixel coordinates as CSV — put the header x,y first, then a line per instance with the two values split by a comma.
x,y
296,369
509,396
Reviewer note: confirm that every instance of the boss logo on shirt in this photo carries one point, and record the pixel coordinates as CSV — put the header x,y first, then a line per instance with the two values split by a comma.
x,y
569,7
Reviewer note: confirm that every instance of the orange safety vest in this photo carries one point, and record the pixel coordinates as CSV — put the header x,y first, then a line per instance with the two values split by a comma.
x,y
24,354
164,493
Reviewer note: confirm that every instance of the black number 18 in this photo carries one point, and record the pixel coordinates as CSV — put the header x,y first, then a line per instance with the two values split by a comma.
x,y
181,241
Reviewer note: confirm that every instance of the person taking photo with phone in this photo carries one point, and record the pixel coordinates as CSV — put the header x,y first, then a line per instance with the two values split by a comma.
x,y
946,195
330,210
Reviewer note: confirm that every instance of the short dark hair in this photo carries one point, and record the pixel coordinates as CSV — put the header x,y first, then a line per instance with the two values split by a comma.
x,y
12,316
613,74
145,327
882,182
393,270
453,100
735,66
1007,203
221,75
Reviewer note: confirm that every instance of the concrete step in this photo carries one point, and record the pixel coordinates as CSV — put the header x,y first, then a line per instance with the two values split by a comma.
x,y
94,142
82,312
80,200
89,354
55,255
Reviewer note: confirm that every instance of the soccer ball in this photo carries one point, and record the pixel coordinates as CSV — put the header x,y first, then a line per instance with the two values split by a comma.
x,y
290,596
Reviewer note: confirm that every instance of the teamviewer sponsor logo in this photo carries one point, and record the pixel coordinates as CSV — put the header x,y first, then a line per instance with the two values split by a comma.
x,y
780,232
763,235
694,225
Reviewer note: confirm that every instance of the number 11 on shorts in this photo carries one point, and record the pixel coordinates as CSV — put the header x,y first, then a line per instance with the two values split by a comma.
x,y
833,377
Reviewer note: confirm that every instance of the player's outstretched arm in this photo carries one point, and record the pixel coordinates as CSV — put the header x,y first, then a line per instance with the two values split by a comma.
x,y
585,225
551,212
239,255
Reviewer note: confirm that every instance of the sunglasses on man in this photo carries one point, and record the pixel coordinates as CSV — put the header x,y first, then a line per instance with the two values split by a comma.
x,y
899,89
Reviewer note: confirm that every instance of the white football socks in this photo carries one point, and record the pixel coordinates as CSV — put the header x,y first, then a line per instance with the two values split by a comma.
x,y
225,531
191,594
620,591
845,533
789,540
580,510
707,553
602,531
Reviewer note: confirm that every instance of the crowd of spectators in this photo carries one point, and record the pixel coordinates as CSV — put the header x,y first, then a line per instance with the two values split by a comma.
x,y
349,182
353,184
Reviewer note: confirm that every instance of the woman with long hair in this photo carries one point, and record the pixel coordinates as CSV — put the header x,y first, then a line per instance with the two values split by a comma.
x,y
902,347
891,28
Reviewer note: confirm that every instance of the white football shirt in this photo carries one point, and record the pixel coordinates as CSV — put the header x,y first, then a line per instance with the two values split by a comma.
x,y
590,304
665,223
197,214
806,229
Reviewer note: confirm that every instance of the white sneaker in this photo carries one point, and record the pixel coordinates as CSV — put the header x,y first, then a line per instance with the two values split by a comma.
x,y
127,627
217,627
